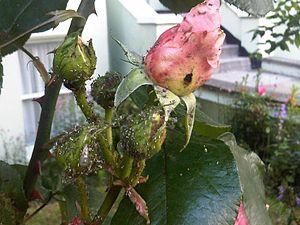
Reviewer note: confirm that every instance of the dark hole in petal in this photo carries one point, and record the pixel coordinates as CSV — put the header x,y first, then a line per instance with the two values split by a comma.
x,y
188,79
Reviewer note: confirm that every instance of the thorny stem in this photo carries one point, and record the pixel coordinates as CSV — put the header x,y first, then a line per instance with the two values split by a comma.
x,y
85,107
43,134
107,204
84,201
86,7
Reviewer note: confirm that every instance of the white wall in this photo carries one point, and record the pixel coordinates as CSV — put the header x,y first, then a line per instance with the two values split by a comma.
x,y
137,25
11,115
124,26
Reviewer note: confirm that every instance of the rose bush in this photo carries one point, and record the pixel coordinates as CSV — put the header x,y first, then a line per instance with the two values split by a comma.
x,y
136,135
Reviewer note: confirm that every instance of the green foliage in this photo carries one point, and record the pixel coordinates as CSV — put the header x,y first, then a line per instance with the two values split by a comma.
x,y
71,195
254,7
72,200
7,211
17,24
252,117
272,130
204,183
284,164
11,187
135,79
281,214
284,27
250,170
206,168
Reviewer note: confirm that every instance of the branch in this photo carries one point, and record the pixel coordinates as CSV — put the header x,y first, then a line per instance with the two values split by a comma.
x,y
83,198
85,107
108,119
48,108
107,204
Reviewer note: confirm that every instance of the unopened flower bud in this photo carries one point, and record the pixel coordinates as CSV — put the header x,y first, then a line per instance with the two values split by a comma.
x,y
184,56
143,134
78,151
74,61
104,89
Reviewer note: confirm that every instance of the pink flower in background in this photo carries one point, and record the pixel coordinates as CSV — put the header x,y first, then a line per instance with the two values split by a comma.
x,y
262,90
241,218
184,56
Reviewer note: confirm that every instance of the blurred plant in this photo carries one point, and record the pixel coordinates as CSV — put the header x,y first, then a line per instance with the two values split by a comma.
x,y
292,100
253,123
284,28
272,130
13,148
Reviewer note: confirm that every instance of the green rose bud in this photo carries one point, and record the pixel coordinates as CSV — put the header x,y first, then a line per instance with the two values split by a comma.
x,y
104,89
74,61
79,151
143,134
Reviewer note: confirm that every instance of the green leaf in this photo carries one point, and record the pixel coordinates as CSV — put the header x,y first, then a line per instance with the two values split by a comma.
x,y
51,178
135,79
167,99
179,6
133,57
68,203
198,184
12,186
69,198
254,7
203,124
6,41
251,170
190,102
18,16
1,73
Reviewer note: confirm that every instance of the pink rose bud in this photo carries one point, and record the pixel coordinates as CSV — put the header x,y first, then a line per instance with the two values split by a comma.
x,y
241,218
184,56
